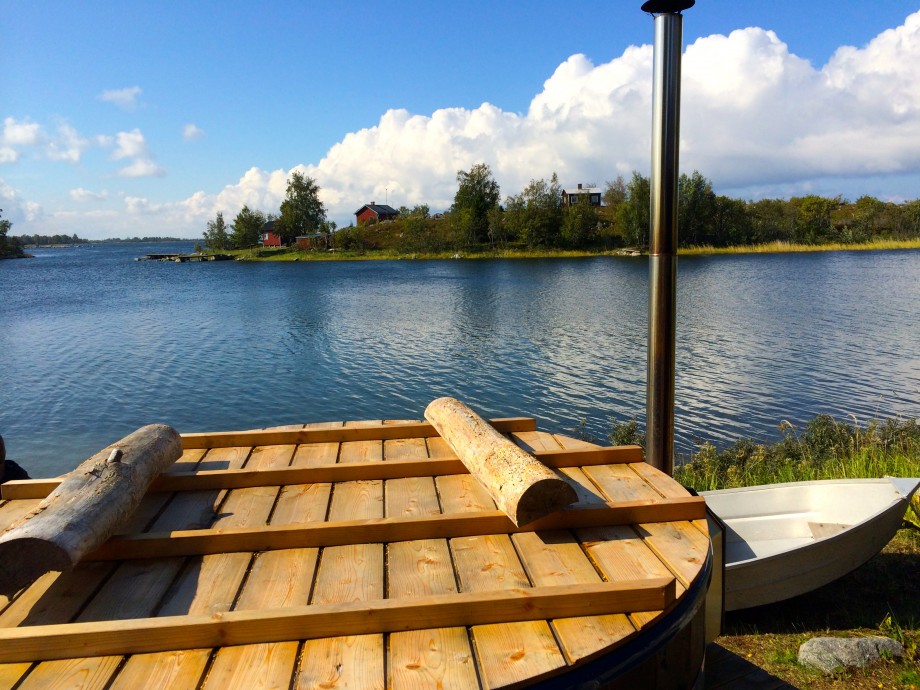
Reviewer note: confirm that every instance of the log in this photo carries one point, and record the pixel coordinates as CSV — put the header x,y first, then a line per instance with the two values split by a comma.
x,y
522,487
87,507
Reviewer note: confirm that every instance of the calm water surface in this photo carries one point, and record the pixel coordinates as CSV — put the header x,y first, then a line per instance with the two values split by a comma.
x,y
93,344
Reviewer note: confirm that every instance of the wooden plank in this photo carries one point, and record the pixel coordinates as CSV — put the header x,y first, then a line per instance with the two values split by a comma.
x,y
267,665
56,597
315,455
621,554
352,431
405,449
10,674
512,651
462,493
620,483
360,452
93,672
350,573
144,635
334,533
224,458
680,546
188,462
435,658
15,510
315,463
177,669
353,663
664,484
301,503
556,559
278,579
411,496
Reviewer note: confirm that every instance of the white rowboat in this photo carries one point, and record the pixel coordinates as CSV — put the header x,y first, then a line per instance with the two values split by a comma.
x,y
782,540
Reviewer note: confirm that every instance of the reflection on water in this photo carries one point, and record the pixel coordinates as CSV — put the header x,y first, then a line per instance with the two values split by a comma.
x,y
93,344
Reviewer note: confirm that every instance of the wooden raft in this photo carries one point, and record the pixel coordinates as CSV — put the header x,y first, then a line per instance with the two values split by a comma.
x,y
356,555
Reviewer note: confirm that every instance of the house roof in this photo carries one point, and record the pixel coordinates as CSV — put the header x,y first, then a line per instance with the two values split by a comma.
x,y
379,209
582,190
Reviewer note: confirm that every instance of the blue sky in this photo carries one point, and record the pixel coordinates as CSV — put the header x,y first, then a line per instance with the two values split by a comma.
x,y
149,117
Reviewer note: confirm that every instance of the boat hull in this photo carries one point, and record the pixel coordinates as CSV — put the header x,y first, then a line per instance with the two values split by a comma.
x,y
783,540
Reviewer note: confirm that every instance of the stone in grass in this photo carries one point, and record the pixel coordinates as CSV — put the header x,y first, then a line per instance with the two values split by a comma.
x,y
829,653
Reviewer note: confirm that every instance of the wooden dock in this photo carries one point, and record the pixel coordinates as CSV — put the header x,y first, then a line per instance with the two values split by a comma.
x,y
182,258
362,554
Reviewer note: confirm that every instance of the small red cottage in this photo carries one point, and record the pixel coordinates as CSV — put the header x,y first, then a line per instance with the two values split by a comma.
x,y
269,236
374,212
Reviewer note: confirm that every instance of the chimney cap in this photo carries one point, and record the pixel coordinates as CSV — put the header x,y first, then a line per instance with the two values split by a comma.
x,y
667,6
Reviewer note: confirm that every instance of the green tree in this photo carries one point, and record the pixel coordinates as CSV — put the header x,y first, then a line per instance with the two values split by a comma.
x,y
477,193
216,237
696,206
302,212
813,217
731,222
634,214
579,223
246,228
535,215
9,246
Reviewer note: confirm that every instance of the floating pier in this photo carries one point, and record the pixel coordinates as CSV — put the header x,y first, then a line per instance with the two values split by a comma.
x,y
182,258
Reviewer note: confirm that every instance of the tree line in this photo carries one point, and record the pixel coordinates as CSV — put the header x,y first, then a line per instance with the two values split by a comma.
x,y
46,240
539,217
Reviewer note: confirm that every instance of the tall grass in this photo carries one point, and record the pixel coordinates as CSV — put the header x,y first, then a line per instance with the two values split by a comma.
x,y
825,448
779,247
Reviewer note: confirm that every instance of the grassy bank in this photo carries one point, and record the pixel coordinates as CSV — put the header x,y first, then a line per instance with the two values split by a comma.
x,y
880,598
789,247
294,255
285,254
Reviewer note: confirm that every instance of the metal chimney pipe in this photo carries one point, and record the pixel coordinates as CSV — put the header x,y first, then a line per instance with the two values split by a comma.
x,y
662,314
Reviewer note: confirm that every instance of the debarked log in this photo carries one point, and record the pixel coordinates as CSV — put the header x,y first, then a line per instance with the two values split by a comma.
x,y
521,486
87,507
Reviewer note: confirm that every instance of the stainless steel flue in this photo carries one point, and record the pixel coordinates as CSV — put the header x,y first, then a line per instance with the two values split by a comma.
x,y
662,314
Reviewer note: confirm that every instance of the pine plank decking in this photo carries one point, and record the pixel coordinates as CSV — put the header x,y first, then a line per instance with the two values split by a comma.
x,y
356,555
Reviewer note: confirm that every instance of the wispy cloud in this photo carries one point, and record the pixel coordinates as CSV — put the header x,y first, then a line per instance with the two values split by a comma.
x,y
192,133
68,145
126,98
81,195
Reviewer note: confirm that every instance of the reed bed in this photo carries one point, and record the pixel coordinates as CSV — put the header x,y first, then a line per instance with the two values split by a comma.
x,y
780,247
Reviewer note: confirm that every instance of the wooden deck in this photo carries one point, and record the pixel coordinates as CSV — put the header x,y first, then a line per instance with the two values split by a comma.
x,y
356,555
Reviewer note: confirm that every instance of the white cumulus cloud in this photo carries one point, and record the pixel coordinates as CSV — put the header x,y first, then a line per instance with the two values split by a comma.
x,y
125,98
133,146
17,134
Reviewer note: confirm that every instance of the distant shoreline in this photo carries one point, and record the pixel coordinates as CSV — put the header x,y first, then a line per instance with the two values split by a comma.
x,y
293,255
